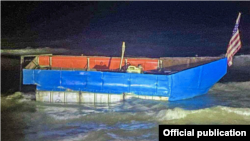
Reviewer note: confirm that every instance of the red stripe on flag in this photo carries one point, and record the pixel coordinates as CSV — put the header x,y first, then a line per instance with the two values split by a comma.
x,y
235,38
233,46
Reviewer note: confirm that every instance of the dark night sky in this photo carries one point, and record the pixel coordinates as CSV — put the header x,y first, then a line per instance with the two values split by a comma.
x,y
149,28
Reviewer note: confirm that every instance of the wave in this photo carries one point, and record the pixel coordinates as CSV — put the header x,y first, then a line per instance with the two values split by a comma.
x,y
238,111
241,60
239,71
213,115
232,86
98,122
29,51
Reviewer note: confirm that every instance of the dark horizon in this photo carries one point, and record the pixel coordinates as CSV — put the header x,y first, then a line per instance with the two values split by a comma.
x,y
149,28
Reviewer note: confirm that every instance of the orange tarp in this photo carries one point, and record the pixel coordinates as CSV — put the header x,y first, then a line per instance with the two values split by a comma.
x,y
73,62
98,63
44,60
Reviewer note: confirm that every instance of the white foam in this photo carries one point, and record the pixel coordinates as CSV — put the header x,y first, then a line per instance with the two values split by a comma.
x,y
239,111
76,137
172,114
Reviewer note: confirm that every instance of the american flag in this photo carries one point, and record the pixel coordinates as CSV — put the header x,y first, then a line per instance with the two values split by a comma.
x,y
234,43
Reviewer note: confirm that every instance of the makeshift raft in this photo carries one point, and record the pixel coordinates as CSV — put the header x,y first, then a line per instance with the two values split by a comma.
x,y
100,80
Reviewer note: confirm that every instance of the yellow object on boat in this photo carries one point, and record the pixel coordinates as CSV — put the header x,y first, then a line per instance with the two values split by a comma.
x,y
134,69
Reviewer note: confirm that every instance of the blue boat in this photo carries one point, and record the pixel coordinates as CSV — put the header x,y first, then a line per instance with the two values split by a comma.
x,y
179,85
107,79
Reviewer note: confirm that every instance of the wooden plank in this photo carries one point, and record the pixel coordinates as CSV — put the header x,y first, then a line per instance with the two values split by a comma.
x,y
21,73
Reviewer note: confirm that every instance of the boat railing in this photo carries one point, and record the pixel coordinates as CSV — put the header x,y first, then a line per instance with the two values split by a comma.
x,y
164,65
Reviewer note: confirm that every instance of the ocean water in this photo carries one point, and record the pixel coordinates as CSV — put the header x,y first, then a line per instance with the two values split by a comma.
x,y
227,102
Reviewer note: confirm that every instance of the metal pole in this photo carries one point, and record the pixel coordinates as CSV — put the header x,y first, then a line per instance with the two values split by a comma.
x,y
123,50
87,64
21,73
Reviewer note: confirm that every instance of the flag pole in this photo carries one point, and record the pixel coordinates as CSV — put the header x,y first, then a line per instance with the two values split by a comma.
x,y
238,19
123,50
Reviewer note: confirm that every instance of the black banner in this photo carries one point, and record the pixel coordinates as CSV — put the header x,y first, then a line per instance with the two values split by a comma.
x,y
201,131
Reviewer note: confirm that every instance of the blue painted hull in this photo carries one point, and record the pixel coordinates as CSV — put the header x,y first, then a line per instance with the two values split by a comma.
x,y
181,85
